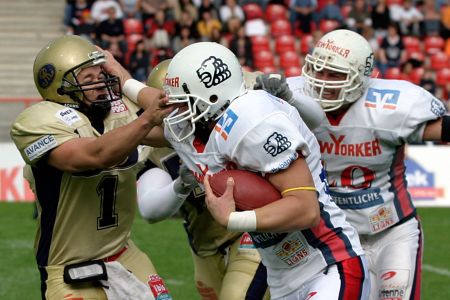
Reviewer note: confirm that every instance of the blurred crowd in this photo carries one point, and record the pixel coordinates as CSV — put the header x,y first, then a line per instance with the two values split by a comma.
x,y
410,38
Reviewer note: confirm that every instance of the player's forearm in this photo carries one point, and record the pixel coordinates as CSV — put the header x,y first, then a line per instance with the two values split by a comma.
x,y
288,214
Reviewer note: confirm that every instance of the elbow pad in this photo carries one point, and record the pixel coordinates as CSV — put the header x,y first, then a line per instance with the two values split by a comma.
x,y
157,199
310,111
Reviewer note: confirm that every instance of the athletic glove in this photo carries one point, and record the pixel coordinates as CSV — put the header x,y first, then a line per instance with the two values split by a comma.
x,y
274,84
185,182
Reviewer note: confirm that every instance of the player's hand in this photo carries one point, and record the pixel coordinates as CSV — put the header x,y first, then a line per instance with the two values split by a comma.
x,y
274,84
113,67
156,105
220,207
186,181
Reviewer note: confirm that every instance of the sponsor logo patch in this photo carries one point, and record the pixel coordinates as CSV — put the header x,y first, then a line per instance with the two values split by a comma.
x,y
358,200
118,106
68,116
158,288
40,146
246,242
276,143
386,99
381,219
437,107
226,123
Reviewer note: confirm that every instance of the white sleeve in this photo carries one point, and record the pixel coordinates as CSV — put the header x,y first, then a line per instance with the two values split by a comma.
x,y
310,111
157,199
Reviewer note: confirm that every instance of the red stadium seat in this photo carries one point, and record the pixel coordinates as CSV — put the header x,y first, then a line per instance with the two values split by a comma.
x,y
132,39
253,11
394,2
306,44
289,59
412,43
259,43
415,75
276,12
393,73
433,44
442,76
439,60
292,71
269,70
416,55
328,25
284,43
345,10
263,59
280,27
132,25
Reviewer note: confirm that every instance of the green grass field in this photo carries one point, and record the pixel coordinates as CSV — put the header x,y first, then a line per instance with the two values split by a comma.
x,y
166,244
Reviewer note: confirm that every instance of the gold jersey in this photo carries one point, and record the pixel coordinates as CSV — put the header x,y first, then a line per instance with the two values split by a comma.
x,y
205,235
81,216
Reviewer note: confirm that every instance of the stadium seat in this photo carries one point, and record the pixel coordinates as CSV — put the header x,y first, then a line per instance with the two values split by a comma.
x,y
412,43
132,25
259,43
132,39
263,59
415,75
393,73
306,44
442,76
328,25
433,44
289,59
280,27
269,70
345,10
284,43
253,11
276,12
416,55
292,71
439,60
394,2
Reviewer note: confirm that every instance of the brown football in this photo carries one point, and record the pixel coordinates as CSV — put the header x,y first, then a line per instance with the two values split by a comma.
x,y
251,190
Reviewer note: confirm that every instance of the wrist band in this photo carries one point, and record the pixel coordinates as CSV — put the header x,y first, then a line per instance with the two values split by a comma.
x,y
131,89
242,221
300,188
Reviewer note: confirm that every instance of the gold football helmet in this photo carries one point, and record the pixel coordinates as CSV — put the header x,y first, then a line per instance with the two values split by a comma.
x,y
158,74
56,67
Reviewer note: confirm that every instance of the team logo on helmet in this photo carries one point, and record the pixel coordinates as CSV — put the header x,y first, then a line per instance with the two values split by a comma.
x,y
213,71
45,75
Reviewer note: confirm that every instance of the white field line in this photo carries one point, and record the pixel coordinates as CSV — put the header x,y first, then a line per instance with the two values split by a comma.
x,y
440,271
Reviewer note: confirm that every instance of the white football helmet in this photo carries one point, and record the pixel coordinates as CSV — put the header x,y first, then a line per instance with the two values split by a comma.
x,y
206,77
342,51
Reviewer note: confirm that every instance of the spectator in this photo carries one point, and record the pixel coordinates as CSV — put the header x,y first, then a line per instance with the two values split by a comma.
x,y
160,30
187,20
207,5
359,16
241,46
302,12
111,30
392,50
186,6
331,11
139,62
206,25
183,39
231,9
86,28
117,52
428,80
431,18
409,19
445,21
381,17
100,8
150,7
131,8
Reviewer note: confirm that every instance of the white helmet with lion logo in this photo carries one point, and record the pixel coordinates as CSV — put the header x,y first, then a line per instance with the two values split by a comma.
x,y
205,76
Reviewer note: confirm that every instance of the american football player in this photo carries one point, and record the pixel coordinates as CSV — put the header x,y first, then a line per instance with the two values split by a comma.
x,y
305,243
362,142
227,266
80,144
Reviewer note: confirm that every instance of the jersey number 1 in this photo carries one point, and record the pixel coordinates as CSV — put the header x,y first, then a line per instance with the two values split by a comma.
x,y
106,190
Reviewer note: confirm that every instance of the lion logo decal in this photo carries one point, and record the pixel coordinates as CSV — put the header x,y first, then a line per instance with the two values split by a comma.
x,y
213,71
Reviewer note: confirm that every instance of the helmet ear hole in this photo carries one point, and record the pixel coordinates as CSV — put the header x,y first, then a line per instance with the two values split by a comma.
x,y
213,98
61,91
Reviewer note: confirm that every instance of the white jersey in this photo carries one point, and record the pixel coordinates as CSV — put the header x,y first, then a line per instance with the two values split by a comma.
x,y
266,139
364,148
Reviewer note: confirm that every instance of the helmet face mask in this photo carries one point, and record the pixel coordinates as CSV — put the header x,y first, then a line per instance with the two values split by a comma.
x,y
203,85
349,57
56,71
